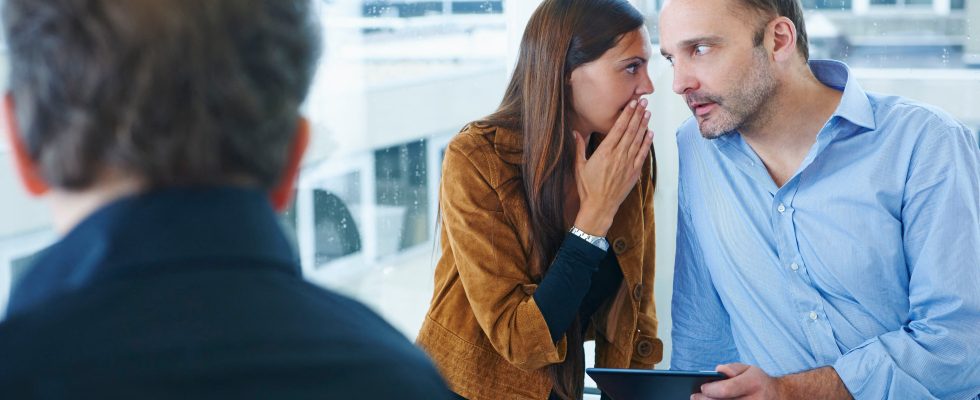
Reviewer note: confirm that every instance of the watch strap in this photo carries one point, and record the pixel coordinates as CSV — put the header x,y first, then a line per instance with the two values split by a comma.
x,y
597,241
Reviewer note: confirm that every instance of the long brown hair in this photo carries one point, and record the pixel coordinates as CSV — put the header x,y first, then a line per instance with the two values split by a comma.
x,y
560,36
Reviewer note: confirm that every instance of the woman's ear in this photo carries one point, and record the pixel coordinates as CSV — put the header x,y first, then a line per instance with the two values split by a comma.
x,y
282,193
27,168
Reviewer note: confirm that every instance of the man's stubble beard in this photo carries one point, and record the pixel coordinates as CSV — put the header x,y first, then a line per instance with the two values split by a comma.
x,y
745,107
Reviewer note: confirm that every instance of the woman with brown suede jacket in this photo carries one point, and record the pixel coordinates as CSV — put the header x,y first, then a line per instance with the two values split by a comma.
x,y
547,215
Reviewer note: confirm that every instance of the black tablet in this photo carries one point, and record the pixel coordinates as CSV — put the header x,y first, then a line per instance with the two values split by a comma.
x,y
648,384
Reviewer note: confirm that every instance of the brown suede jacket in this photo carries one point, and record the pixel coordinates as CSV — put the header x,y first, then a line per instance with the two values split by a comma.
x,y
483,329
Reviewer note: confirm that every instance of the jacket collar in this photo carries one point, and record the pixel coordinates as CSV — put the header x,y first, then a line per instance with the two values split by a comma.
x,y
158,232
508,144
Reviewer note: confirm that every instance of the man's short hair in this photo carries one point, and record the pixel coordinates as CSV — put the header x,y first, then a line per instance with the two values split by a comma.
x,y
177,92
769,9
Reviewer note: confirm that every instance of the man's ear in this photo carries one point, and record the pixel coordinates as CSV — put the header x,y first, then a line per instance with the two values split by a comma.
x,y
784,37
282,193
27,168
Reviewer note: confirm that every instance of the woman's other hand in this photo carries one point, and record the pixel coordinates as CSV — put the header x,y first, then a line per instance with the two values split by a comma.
x,y
604,179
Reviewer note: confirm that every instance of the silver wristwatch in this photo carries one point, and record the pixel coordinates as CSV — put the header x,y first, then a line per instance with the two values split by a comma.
x,y
597,241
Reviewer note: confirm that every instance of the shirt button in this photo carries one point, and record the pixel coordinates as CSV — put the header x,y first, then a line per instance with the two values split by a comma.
x,y
813,315
794,267
781,208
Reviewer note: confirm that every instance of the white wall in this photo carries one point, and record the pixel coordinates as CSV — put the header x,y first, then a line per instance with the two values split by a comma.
x,y
956,91
668,112
972,47
18,211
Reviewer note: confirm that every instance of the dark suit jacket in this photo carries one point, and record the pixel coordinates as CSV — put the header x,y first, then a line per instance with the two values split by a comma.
x,y
195,293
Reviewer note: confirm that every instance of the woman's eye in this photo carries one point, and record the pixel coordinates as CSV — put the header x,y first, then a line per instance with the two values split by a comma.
x,y
632,68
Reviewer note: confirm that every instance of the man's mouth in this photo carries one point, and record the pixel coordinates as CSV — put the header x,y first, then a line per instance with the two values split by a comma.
x,y
701,109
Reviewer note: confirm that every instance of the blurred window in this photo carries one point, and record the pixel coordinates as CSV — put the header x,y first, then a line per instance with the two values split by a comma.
x,y
911,3
842,5
409,8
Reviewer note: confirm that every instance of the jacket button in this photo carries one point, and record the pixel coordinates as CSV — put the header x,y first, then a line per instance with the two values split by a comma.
x,y
638,292
644,348
619,245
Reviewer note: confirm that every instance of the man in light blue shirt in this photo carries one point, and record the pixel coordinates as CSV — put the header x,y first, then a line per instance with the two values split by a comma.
x,y
828,238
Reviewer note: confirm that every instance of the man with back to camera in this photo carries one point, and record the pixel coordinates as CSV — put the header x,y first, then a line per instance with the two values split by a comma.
x,y
828,238
166,133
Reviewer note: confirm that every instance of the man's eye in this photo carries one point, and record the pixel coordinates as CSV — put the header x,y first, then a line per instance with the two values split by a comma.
x,y
701,50
670,60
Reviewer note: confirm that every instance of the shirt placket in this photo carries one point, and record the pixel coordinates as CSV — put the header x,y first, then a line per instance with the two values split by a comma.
x,y
809,304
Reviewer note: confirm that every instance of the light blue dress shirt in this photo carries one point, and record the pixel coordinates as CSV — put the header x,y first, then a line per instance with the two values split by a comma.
x,y
867,259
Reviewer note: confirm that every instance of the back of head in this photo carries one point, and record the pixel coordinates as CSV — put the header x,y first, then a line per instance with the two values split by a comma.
x,y
766,10
179,92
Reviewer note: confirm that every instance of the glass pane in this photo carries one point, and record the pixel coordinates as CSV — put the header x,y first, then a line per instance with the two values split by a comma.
x,y
478,7
401,9
402,197
336,219
336,230
828,4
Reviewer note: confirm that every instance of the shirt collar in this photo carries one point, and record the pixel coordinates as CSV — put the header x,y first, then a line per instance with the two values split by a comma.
x,y
157,232
854,106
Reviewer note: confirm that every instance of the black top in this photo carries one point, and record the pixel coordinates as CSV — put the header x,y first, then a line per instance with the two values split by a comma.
x,y
580,279
195,293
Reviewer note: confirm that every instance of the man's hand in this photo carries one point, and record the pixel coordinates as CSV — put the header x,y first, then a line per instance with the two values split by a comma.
x,y
744,382
749,382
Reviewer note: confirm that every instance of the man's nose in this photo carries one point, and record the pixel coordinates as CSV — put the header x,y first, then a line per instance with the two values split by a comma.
x,y
684,79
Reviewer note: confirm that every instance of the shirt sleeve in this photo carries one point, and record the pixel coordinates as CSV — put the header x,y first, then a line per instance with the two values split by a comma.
x,y
605,282
560,293
701,333
934,355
